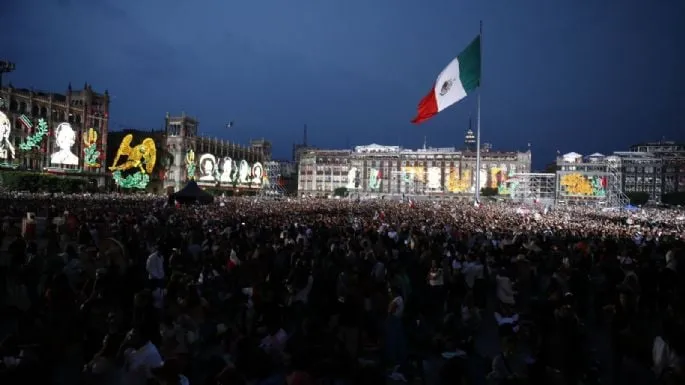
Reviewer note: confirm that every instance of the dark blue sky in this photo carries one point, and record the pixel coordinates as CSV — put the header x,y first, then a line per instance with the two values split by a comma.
x,y
572,75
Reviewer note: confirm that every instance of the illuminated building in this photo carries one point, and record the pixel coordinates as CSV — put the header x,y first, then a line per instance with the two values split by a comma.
x,y
182,136
377,169
45,131
470,140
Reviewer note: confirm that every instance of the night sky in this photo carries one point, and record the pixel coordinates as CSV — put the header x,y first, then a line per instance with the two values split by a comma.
x,y
567,75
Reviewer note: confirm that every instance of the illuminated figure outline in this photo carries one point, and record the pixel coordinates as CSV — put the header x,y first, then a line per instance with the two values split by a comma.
x,y
142,156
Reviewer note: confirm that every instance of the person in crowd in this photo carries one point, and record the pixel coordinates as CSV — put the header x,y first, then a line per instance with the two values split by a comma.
x,y
308,291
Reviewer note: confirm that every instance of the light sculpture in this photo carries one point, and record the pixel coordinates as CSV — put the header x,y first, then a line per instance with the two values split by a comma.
x,y
142,158
91,154
190,164
34,140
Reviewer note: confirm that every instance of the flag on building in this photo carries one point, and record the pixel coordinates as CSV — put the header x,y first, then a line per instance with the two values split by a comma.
x,y
460,78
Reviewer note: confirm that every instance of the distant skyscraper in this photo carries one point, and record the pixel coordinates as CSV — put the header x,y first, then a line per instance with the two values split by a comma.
x,y
470,139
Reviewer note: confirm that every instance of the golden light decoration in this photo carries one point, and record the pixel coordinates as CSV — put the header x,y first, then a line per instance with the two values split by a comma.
x,y
190,164
90,152
141,157
418,173
493,176
576,184
458,183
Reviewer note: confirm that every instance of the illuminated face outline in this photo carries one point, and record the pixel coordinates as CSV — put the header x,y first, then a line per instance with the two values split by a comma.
x,y
65,138
207,167
257,173
244,171
5,127
433,178
351,178
227,168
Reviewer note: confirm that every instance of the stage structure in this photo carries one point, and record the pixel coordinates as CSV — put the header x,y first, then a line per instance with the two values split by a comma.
x,y
531,188
273,183
615,195
590,180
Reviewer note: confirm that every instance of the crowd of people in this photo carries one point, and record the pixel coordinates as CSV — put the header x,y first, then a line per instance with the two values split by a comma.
x,y
117,289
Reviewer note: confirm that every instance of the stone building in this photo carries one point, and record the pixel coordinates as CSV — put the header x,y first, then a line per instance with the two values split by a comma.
x,y
51,132
182,136
376,169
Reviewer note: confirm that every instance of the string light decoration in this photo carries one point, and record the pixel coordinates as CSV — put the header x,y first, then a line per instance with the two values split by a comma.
x,y
190,164
34,141
90,149
138,180
141,157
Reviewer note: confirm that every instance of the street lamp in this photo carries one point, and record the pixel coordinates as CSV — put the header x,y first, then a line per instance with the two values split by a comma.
x,y
5,67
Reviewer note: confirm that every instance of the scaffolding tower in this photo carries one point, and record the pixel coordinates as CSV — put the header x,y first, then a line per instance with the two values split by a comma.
x,y
614,191
272,185
532,188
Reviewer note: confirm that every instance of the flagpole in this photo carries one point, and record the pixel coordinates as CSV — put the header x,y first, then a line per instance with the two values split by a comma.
x,y
477,195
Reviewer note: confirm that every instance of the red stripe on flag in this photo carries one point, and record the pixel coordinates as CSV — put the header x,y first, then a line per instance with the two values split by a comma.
x,y
428,107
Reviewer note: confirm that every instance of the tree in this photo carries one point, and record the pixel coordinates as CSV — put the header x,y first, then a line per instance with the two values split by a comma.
x,y
340,192
489,191
638,198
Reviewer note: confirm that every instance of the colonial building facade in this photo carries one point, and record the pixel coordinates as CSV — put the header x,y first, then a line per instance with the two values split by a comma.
x,y
53,132
182,138
376,169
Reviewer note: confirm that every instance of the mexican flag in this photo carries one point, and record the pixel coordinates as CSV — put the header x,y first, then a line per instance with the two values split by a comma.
x,y
460,78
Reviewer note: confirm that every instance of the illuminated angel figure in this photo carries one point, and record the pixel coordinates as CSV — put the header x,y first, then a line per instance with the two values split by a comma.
x,y
142,156
5,143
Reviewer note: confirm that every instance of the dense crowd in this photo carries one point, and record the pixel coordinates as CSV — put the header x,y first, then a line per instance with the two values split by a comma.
x,y
117,289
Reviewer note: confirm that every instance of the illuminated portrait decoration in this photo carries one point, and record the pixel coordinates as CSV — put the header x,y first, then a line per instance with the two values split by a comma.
x,y
141,158
456,182
352,178
483,179
6,147
65,138
91,155
257,174
375,179
413,174
228,170
244,172
433,178
208,168
577,184
190,164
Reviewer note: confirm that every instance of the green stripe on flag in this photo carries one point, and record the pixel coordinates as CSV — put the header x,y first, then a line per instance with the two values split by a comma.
x,y
469,66
26,121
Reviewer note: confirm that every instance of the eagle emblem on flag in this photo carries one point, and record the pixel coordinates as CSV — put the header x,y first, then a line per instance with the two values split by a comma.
x,y
446,87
